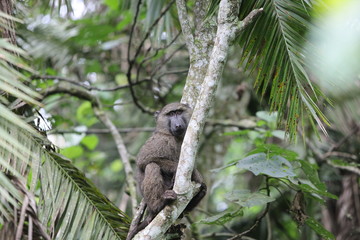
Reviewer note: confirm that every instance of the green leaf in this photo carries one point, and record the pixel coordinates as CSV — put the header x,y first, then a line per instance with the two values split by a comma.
x,y
273,150
90,141
237,133
274,46
121,79
222,218
260,163
93,66
116,166
307,188
319,229
270,117
312,174
247,199
112,4
85,114
72,152
127,19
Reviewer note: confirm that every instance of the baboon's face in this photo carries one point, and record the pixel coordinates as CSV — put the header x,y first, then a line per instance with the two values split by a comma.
x,y
175,117
177,123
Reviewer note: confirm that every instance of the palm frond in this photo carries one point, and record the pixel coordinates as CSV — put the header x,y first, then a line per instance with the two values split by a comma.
x,y
274,45
11,79
69,204
52,47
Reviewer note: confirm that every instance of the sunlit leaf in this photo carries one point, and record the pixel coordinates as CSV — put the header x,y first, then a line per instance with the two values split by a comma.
x,y
72,152
90,141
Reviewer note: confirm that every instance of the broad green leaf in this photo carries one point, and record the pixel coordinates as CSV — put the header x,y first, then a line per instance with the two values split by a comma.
x,y
247,199
116,166
113,4
319,229
274,166
90,141
222,218
72,152
85,114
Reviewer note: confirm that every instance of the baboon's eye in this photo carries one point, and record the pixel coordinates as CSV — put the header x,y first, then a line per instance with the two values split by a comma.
x,y
172,113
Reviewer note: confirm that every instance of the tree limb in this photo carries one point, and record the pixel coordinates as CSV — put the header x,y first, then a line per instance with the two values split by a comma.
x,y
185,25
183,186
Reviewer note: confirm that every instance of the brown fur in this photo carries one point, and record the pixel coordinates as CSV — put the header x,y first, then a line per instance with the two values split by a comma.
x,y
158,159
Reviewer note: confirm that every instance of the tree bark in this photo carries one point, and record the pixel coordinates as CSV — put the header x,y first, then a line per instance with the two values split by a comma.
x,y
228,27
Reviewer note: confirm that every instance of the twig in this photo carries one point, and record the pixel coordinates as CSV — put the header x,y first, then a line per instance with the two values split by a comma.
x,y
138,216
173,72
250,18
89,87
163,62
132,30
99,131
331,152
132,61
342,141
150,29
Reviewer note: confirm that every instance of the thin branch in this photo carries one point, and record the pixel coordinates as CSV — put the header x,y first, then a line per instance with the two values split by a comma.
x,y
132,30
163,62
343,140
250,18
99,131
167,8
173,72
138,216
104,118
132,61
331,152
242,124
89,87
185,25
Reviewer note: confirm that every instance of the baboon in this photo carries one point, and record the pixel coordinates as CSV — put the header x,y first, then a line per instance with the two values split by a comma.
x,y
158,159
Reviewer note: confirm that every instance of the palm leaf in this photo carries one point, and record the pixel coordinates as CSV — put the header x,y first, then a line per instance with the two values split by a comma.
x,y
69,204
274,45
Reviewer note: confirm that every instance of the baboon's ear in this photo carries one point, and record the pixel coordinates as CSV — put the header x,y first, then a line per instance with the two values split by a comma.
x,y
156,114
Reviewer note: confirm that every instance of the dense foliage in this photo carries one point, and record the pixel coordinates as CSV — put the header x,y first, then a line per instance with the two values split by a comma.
x,y
80,81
